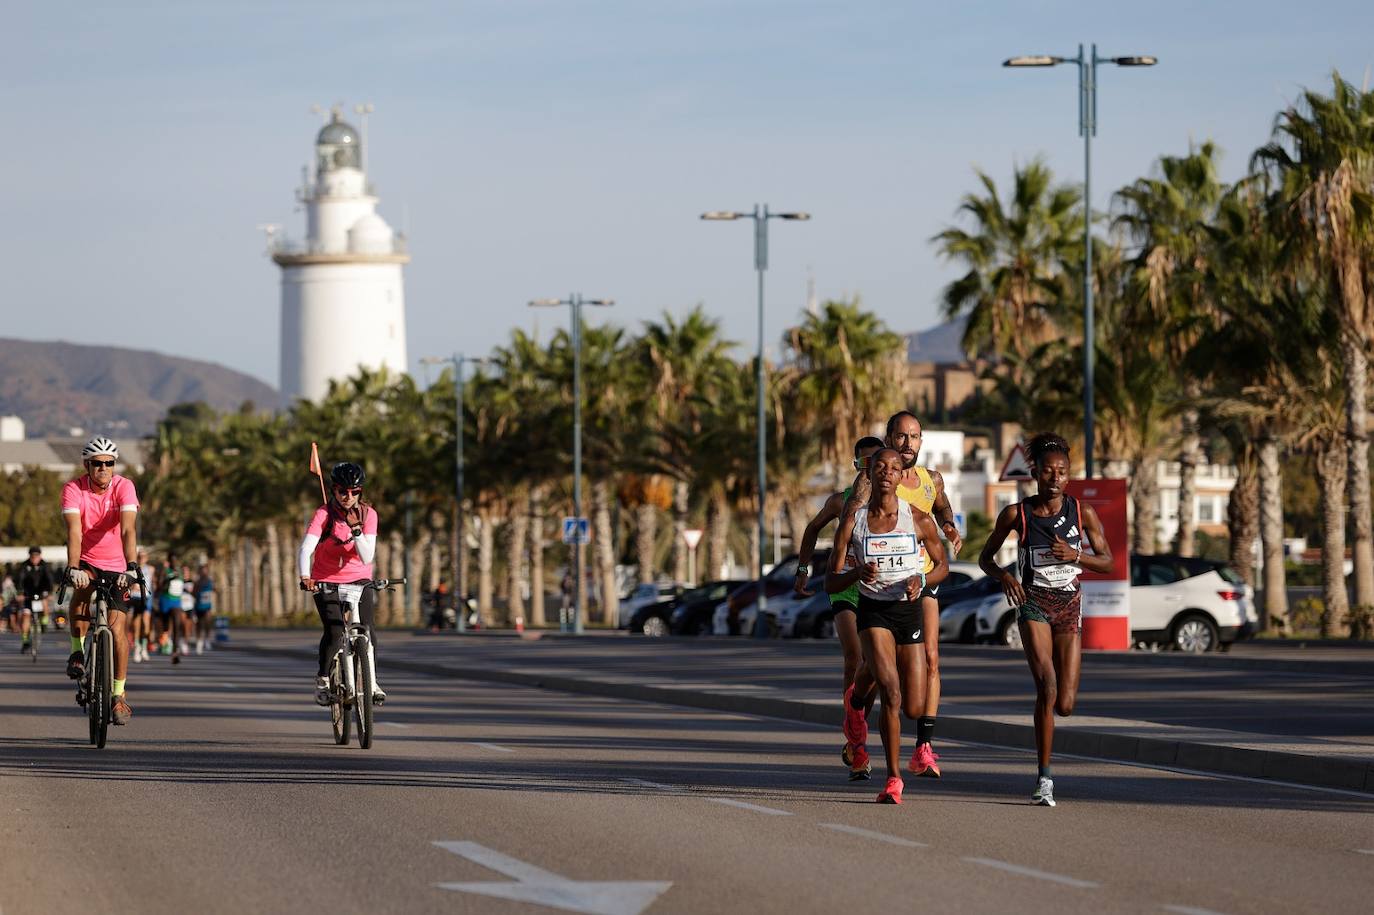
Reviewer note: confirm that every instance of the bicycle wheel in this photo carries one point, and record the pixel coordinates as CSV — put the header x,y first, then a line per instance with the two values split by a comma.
x,y
35,635
338,712
101,686
362,703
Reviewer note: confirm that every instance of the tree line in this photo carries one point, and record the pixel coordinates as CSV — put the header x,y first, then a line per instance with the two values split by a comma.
x,y
1233,323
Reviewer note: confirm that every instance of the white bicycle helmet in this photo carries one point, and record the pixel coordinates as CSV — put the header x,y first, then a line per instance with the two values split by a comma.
x,y
99,445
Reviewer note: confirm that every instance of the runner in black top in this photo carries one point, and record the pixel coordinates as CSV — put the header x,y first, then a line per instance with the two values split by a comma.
x,y
1050,527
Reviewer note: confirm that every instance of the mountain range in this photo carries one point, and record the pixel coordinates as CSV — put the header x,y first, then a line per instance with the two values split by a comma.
x,y
56,387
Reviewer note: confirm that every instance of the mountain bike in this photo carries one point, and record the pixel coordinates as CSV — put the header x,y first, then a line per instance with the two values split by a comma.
x,y
352,670
95,689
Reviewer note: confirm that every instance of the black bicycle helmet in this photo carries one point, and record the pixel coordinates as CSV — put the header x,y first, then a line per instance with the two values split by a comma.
x,y
347,474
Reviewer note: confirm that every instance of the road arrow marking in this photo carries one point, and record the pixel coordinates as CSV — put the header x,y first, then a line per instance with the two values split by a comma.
x,y
540,887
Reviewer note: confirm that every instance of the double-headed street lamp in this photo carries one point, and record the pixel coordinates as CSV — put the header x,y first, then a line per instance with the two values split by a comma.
x,y
760,215
458,360
576,303
1087,128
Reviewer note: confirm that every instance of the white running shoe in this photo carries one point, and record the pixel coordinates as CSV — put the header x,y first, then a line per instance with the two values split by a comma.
x,y
321,690
1044,792
200,646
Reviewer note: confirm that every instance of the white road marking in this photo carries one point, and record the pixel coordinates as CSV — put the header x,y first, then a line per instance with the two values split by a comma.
x,y
541,887
643,783
395,724
745,805
1032,872
1365,851
870,834
231,686
494,747
1189,910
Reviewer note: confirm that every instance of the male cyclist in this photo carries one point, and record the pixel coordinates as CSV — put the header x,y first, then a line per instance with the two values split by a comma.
x,y
100,509
338,547
35,584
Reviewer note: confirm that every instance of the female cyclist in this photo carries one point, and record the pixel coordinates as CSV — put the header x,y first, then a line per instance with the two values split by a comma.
x,y
338,548
885,543
1050,528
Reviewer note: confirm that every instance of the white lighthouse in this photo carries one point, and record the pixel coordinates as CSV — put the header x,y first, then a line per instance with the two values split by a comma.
x,y
342,302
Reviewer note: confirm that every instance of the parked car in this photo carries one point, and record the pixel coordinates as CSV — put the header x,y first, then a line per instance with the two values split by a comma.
x,y
670,616
960,609
693,615
815,618
729,619
1181,602
645,594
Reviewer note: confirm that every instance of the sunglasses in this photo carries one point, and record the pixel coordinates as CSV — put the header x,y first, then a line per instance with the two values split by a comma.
x,y
95,463
345,491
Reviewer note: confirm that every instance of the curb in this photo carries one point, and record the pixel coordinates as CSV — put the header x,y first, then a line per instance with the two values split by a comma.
x,y
1299,768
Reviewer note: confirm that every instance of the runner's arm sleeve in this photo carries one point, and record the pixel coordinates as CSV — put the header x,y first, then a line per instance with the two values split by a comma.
x,y
306,554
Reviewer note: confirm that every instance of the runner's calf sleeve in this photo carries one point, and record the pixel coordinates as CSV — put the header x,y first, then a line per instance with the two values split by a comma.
x,y
925,729
76,643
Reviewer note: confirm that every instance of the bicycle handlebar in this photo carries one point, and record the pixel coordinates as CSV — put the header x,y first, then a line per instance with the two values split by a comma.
x,y
376,584
95,580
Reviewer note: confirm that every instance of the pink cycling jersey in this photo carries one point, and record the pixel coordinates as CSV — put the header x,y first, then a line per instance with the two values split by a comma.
x,y
102,543
336,557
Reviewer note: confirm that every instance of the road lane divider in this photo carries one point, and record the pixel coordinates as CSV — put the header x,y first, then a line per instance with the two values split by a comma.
x,y
877,836
1032,872
745,805
495,748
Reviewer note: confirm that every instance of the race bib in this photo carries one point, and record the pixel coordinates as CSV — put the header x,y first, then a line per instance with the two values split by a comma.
x,y
1049,572
895,552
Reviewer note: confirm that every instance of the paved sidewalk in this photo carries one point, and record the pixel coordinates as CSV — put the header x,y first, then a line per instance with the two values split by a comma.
x,y
1249,715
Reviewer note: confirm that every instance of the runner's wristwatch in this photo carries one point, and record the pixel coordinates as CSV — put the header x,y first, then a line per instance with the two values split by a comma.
x,y
803,570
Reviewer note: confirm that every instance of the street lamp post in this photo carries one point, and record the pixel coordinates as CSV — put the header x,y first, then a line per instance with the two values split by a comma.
x,y
760,215
458,360
1087,129
576,303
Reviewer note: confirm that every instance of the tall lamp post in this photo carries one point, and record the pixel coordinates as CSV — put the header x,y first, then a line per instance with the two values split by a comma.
x,y
760,215
576,303
458,360
1087,129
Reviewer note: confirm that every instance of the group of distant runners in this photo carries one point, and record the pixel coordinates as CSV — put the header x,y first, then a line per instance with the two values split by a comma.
x,y
886,567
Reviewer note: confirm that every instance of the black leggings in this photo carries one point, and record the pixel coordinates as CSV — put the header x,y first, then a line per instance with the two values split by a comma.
x,y
331,609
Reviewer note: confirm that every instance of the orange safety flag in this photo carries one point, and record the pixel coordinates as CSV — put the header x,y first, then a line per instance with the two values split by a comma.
x,y
315,469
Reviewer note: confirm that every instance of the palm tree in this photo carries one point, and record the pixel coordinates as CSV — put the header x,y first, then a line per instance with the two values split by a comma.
x,y
1166,216
849,371
1321,162
1015,254
685,363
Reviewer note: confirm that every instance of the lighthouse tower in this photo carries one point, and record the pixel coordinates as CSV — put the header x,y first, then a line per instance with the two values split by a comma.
x,y
342,304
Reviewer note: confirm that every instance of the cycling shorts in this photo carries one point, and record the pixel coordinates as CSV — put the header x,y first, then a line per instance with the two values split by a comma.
x,y
118,596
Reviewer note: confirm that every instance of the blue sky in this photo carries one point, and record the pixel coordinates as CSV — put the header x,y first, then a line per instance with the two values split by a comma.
x,y
538,147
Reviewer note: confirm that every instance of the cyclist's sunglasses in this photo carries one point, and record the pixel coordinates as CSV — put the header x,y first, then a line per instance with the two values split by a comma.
x,y
345,491
95,463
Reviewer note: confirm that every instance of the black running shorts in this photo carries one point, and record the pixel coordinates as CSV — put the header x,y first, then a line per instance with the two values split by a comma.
x,y
900,617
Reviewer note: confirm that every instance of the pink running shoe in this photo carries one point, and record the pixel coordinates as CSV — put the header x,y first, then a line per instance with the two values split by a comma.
x,y
923,761
860,769
855,722
892,793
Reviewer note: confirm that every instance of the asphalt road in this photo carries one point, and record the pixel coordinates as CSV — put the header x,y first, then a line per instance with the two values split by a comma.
x,y
226,794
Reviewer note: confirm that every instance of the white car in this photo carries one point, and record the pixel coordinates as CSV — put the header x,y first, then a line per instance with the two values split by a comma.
x,y
1181,602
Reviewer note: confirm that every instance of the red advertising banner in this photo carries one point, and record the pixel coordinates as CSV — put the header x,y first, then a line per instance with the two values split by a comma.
x,y
1107,598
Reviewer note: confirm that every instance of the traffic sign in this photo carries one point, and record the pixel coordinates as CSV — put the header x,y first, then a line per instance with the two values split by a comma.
x,y
577,530
1016,467
960,524
692,536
